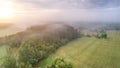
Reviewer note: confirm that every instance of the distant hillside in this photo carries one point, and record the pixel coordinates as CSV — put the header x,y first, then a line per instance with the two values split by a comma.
x,y
96,25
5,25
41,31
112,26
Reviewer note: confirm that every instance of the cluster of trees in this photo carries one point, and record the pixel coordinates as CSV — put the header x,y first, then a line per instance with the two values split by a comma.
x,y
102,35
35,45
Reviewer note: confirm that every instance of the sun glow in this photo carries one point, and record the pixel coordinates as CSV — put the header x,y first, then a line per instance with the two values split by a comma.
x,y
6,9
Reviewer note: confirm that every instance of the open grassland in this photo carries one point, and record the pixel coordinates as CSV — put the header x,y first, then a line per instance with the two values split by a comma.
x,y
90,52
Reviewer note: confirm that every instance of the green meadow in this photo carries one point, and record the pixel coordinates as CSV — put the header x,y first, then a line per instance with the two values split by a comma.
x,y
90,52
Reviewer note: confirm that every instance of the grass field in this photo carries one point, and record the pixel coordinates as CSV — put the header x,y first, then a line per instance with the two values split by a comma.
x,y
90,52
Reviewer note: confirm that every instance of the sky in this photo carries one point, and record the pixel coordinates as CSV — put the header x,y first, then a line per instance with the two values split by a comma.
x,y
29,11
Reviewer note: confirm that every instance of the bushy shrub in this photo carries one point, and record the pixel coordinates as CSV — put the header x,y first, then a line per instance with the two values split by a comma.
x,y
25,65
60,63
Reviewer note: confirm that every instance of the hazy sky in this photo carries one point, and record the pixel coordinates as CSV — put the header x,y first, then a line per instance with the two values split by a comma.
x,y
67,10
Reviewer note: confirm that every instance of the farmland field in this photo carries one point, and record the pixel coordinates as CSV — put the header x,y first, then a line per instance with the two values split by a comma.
x,y
90,52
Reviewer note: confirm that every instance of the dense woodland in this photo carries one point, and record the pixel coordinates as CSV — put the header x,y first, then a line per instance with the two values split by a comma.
x,y
37,43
